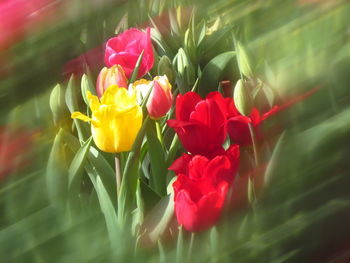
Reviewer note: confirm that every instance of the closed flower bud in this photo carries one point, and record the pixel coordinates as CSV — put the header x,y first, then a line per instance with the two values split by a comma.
x,y
165,68
57,104
184,67
161,98
110,76
242,98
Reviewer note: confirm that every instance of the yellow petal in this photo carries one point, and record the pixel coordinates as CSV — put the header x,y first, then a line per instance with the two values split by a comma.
x,y
119,96
80,116
93,101
117,130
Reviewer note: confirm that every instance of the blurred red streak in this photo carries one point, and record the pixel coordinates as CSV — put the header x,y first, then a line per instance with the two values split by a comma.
x,y
14,149
77,66
19,18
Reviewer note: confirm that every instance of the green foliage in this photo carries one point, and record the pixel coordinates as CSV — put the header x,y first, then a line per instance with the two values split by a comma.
x,y
213,72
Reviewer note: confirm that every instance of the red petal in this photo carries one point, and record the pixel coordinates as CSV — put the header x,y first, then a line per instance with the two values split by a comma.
x,y
185,104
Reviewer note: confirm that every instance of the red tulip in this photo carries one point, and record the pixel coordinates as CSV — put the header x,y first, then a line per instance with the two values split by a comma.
x,y
237,127
126,48
110,76
237,124
201,187
201,123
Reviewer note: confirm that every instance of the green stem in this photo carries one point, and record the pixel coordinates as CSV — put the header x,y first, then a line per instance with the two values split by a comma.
x,y
173,149
252,135
252,188
117,173
190,248
127,191
159,133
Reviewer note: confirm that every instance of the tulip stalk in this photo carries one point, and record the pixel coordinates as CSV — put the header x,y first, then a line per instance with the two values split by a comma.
x,y
159,133
117,173
125,195
253,194
190,247
252,134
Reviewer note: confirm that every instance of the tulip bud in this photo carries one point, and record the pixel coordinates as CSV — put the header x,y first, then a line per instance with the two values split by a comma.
x,y
141,87
57,103
184,67
242,98
161,98
110,76
165,68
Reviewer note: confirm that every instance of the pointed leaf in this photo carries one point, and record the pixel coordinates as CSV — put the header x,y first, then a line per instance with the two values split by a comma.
x,y
57,171
109,213
76,168
212,72
157,158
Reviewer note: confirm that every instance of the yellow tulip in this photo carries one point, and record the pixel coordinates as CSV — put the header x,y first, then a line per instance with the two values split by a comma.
x,y
115,121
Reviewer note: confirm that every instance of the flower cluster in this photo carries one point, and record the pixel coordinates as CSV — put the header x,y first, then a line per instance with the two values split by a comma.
x,y
116,113
205,176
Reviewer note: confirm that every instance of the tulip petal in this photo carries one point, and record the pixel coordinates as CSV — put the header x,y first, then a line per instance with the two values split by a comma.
x,y
185,104
80,116
93,101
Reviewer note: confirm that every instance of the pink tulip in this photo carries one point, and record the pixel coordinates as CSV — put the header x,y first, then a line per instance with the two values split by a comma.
x,y
125,49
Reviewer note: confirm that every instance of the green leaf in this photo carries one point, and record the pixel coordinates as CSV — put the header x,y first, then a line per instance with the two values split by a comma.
x,y
109,213
202,29
136,69
174,26
272,165
57,171
126,196
175,144
71,95
243,60
213,71
184,67
157,158
73,105
105,171
165,68
138,213
150,197
97,165
158,220
157,38
86,85
76,168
